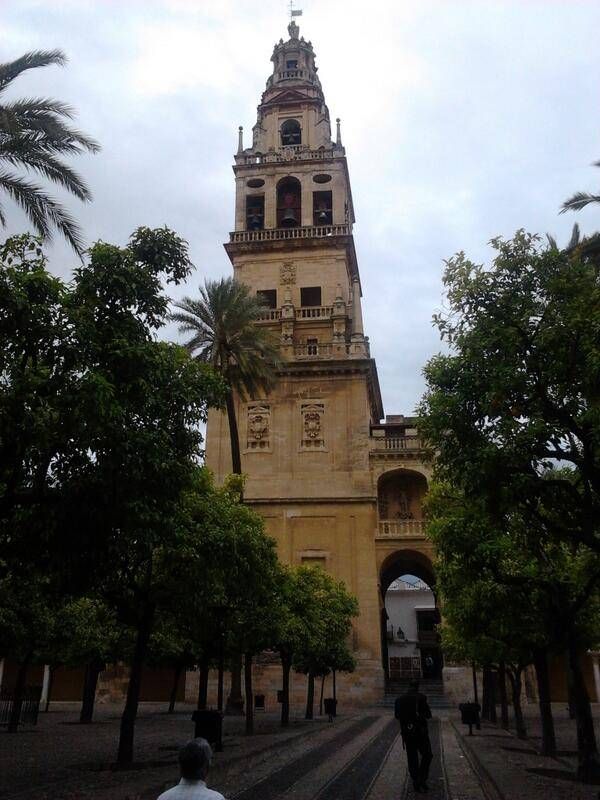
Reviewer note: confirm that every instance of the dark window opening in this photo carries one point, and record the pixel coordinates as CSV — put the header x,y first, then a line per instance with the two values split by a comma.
x,y
312,347
255,212
268,297
310,296
288,203
291,64
290,132
322,208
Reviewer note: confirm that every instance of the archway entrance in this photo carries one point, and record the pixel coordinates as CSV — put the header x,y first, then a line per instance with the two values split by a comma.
x,y
409,618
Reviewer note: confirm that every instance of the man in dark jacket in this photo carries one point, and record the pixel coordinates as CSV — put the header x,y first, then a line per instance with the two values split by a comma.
x,y
412,712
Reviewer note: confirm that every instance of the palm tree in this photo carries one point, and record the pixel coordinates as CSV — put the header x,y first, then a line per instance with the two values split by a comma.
x,y
33,134
224,334
580,199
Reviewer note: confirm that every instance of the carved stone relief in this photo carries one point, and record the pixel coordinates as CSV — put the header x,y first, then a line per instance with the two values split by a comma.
x,y
287,273
258,427
312,426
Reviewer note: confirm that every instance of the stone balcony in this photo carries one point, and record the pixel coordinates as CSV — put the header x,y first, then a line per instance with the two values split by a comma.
x,y
304,312
289,234
400,529
395,444
294,152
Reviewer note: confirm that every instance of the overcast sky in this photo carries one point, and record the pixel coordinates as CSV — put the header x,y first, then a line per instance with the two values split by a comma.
x,y
461,121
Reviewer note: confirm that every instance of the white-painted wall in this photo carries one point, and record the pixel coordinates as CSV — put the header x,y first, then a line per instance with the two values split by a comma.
x,y
401,604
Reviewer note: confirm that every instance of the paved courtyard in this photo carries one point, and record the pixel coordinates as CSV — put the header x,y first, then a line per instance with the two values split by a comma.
x,y
358,757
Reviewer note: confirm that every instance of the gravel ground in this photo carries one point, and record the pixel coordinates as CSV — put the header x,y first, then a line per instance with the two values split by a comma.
x,y
358,757
514,767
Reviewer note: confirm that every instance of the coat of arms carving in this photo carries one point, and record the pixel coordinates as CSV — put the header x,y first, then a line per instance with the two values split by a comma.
x,y
258,427
287,273
312,426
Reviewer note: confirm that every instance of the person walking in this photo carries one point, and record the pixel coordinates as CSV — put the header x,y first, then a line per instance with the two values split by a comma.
x,y
412,712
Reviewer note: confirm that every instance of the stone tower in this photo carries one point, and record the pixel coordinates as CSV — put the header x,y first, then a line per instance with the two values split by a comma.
x,y
308,448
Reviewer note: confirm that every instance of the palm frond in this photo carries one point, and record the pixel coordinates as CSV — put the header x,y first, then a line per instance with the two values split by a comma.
x,y
43,211
552,243
32,60
222,322
575,237
578,201
48,166
31,106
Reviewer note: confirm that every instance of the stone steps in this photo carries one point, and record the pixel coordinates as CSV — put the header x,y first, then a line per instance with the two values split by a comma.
x,y
433,689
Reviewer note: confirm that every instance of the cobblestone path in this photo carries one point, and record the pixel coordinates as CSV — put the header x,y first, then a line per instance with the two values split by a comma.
x,y
275,784
365,761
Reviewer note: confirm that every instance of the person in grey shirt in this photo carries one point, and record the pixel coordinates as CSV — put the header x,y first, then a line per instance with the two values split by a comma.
x,y
194,763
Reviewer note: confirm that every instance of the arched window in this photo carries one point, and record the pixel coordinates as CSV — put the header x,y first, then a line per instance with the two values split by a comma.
x,y
289,210
290,132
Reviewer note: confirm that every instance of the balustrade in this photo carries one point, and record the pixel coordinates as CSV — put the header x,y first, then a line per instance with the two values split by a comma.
x,y
397,443
274,234
400,529
295,152
314,312
269,315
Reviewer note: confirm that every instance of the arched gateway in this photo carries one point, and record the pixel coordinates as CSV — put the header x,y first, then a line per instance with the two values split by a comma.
x,y
337,487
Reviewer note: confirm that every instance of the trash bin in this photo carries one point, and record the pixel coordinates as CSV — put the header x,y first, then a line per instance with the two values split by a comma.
x,y
330,707
259,702
469,713
209,725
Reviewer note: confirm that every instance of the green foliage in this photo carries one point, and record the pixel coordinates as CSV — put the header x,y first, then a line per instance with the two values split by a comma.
x,y
317,615
34,134
224,334
512,416
518,394
99,422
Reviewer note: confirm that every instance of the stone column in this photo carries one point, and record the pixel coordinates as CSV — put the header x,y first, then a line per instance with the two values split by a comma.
x,y
357,346
288,317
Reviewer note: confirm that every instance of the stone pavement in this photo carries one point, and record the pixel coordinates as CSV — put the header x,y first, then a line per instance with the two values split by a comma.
x,y
512,769
358,757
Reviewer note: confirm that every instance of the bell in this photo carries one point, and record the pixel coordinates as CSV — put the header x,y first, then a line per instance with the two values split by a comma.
x,y
322,216
255,222
289,218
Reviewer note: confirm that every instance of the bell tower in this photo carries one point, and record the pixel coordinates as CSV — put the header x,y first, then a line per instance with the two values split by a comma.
x,y
306,447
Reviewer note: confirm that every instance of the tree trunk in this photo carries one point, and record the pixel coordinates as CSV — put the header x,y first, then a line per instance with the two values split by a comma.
x,y
248,693
475,692
203,671
485,701
493,698
321,698
177,671
15,716
50,684
90,682
488,710
588,768
310,697
540,662
334,686
516,687
235,701
503,697
125,751
220,670
286,665
236,459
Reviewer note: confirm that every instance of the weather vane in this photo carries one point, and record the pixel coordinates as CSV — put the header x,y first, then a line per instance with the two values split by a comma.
x,y
294,12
